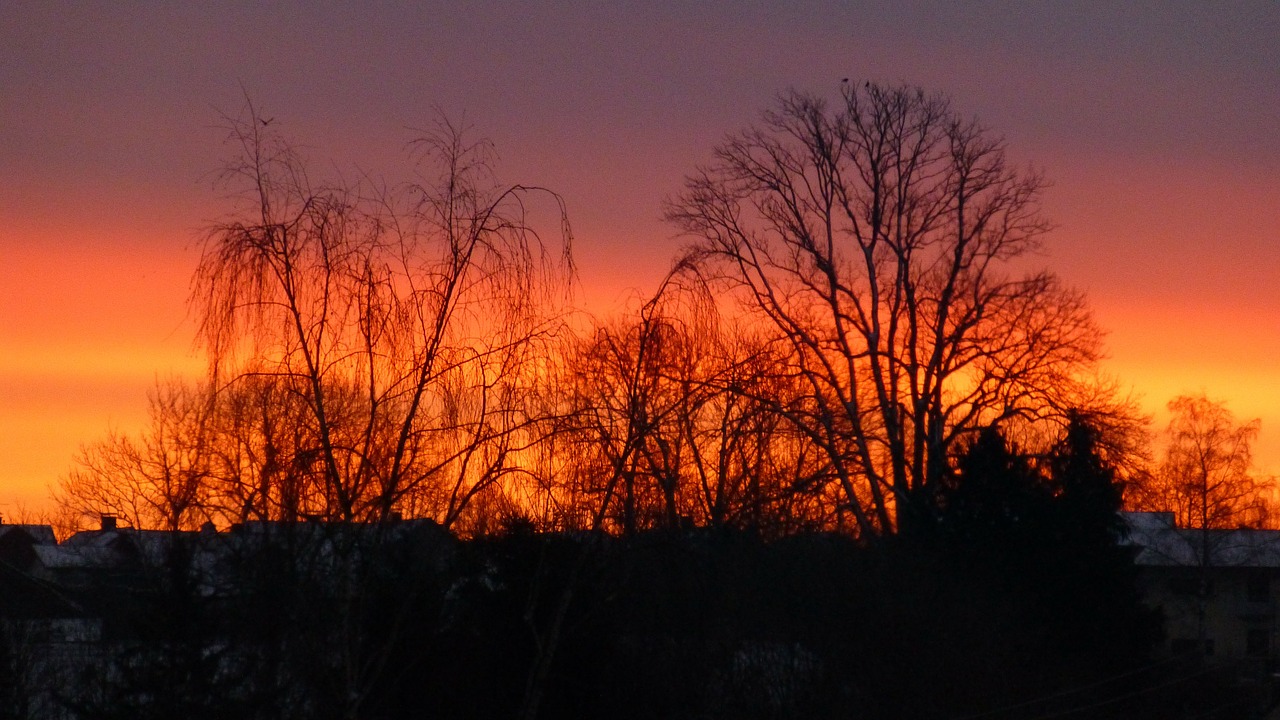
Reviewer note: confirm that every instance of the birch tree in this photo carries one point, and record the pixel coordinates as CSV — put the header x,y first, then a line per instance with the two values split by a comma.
x,y
1205,477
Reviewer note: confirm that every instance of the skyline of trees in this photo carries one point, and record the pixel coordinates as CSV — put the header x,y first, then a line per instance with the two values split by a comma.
x,y
853,308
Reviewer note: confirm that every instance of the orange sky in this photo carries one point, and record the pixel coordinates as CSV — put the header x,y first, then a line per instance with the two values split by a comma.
x,y
1159,128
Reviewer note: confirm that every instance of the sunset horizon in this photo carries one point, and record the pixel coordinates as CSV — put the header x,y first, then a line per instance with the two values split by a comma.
x,y
1158,151
718,360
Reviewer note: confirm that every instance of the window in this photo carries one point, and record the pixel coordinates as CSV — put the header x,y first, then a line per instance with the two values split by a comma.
x,y
1187,646
1257,643
1258,587
1189,586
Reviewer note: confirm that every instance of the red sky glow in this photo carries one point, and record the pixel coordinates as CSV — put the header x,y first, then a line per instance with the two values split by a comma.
x,y
1157,124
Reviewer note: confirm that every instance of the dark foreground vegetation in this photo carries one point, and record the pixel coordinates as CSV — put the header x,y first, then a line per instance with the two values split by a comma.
x,y
1017,600
663,625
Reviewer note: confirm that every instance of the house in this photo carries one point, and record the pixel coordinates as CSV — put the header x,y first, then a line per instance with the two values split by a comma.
x,y
1217,588
109,607
17,543
47,635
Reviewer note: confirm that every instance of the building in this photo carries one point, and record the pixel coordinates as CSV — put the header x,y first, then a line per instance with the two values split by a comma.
x,y
1216,588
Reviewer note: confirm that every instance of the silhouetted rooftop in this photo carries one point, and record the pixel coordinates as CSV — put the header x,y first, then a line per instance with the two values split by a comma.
x,y
1162,543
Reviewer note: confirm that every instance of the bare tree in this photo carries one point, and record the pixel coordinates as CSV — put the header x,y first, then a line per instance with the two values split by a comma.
x,y
740,464
262,468
875,235
159,478
621,422
1205,477
399,318
693,399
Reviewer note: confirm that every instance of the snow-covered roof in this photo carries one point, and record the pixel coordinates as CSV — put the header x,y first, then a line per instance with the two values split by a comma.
x,y
1162,544
41,534
92,538
65,557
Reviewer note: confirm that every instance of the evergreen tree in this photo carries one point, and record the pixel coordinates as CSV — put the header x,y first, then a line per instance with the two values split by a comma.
x,y
1089,496
994,494
1092,593
1040,541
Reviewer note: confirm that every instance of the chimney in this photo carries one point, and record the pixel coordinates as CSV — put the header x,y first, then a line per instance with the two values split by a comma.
x,y
108,522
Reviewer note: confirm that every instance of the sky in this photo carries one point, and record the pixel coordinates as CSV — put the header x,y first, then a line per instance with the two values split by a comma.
x,y
1156,123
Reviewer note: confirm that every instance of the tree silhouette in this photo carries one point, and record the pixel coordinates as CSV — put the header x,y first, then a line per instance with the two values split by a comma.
x,y
874,235
1205,477
1091,588
1039,539
996,494
402,319
160,478
1089,491
696,398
